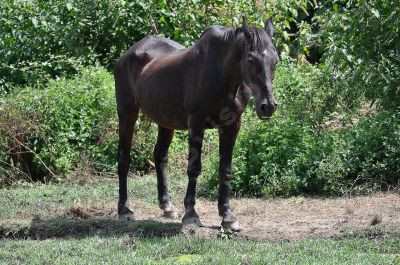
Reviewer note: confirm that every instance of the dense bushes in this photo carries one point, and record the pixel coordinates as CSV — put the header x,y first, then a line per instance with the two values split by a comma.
x,y
374,149
65,125
310,146
337,127
286,157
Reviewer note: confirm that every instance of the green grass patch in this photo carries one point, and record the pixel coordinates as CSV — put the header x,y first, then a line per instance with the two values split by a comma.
x,y
177,249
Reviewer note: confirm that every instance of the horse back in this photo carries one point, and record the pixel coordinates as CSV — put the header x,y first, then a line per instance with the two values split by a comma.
x,y
156,84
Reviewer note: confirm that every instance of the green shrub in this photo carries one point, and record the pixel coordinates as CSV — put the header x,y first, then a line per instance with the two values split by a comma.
x,y
66,125
374,150
285,157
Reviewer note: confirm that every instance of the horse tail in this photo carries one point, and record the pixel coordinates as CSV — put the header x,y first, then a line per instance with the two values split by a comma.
x,y
125,72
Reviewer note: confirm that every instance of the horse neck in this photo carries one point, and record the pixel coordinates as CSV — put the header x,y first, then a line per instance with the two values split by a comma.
x,y
233,65
227,49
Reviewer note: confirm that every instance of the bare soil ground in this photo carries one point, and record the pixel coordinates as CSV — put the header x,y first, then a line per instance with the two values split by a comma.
x,y
275,219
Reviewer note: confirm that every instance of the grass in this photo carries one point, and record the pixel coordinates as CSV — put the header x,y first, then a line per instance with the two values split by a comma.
x,y
42,199
178,249
33,231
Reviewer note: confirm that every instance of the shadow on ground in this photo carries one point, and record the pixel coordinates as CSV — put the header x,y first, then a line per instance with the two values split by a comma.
x,y
66,228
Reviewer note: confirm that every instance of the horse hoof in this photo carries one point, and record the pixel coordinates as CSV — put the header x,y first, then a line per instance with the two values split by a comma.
x,y
171,214
234,226
169,211
126,215
192,220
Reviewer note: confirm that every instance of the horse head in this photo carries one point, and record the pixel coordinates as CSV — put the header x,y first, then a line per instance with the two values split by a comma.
x,y
258,67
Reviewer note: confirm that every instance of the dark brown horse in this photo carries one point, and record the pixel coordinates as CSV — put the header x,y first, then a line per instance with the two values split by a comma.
x,y
205,86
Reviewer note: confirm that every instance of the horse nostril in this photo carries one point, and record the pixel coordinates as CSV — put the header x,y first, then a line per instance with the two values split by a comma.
x,y
263,108
275,106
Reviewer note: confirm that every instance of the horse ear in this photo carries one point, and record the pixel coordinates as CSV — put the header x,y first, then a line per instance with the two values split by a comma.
x,y
246,29
269,27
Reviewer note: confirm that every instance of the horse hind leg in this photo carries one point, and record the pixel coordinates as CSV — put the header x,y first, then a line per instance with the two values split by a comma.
x,y
126,124
164,140
128,111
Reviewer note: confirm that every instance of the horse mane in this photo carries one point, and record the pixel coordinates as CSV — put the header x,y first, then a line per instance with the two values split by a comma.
x,y
259,37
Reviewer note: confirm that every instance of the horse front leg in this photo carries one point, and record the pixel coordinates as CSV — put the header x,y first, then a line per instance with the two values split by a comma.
x,y
164,140
196,134
227,138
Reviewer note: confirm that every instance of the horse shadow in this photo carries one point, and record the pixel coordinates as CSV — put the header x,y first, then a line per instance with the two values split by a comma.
x,y
61,227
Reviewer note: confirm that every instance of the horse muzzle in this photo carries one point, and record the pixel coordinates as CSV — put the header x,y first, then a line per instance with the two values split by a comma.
x,y
266,110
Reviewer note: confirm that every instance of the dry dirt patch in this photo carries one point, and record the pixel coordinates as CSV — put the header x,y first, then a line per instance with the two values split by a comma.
x,y
277,219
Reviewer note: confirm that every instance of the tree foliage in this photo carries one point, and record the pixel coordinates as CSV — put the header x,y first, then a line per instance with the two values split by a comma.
x,y
44,39
362,42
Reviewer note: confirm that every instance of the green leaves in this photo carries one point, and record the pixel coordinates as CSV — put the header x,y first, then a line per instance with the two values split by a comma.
x,y
69,6
375,12
35,22
362,45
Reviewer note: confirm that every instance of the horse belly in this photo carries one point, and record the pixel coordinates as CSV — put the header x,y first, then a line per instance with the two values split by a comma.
x,y
161,100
